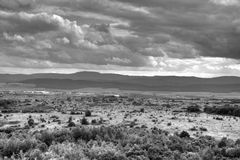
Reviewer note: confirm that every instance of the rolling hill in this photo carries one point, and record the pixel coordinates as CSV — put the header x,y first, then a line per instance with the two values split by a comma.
x,y
141,83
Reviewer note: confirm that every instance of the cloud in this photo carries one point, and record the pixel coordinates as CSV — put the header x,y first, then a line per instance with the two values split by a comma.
x,y
165,36
226,2
17,4
17,38
23,22
63,40
82,44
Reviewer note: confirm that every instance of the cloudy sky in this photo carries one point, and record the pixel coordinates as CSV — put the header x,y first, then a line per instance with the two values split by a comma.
x,y
135,37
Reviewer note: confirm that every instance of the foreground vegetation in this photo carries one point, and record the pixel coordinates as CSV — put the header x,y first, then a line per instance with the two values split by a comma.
x,y
114,143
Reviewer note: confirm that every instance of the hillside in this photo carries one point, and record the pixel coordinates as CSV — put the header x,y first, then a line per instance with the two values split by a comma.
x,y
97,80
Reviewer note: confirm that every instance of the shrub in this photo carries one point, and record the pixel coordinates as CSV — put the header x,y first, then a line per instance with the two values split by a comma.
x,y
193,108
42,147
94,121
142,110
71,124
135,152
105,151
13,146
233,152
223,110
62,135
82,133
65,151
225,143
190,156
35,154
207,154
203,129
46,137
84,121
30,122
88,113
102,133
237,142
70,119
184,134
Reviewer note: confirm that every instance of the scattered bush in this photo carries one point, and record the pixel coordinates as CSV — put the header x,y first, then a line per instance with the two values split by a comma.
x,y
115,143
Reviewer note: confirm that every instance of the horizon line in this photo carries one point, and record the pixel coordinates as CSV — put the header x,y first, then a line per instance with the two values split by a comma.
x,y
99,72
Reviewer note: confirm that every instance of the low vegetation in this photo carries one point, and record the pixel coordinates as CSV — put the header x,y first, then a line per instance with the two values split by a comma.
x,y
226,110
115,143
193,108
64,127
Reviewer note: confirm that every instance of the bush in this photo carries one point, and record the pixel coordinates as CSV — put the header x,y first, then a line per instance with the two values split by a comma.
x,y
194,108
82,133
46,137
190,156
88,113
184,134
223,143
65,151
207,154
223,110
30,122
84,121
105,151
237,143
233,152
35,154
62,135
42,147
13,146
94,121
203,129
102,133
71,124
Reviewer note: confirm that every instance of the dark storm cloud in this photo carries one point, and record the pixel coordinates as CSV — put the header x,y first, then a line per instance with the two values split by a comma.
x,y
169,35
26,23
207,25
17,4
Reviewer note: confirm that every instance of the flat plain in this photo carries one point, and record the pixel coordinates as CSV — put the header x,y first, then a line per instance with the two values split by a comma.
x,y
197,115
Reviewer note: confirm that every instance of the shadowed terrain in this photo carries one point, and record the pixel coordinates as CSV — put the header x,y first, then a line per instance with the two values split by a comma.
x,y
97,80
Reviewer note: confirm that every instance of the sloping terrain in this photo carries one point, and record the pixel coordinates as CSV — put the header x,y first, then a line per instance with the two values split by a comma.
x,y
96,80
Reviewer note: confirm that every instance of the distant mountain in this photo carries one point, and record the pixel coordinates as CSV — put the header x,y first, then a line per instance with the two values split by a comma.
x,y
8,78
141,83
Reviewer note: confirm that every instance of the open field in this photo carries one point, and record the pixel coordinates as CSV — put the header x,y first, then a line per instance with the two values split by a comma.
x,y
37,111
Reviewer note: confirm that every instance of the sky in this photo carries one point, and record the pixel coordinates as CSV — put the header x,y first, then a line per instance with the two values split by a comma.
x,y
134,37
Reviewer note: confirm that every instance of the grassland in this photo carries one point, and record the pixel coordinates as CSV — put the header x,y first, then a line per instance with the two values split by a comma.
x,y
117,125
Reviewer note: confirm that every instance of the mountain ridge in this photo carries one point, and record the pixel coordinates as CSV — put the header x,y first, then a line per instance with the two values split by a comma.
x,y
141,83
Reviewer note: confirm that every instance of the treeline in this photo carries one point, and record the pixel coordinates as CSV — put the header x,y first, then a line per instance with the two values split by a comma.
x,y
226,110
